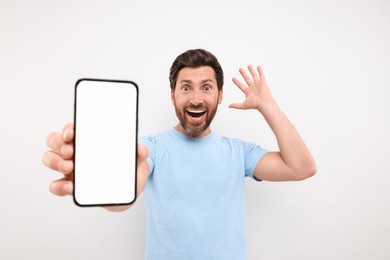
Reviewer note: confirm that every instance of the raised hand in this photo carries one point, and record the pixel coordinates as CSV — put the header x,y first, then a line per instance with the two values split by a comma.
x,y
256,89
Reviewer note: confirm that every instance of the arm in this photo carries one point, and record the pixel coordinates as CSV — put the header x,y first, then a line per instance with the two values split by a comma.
x,y
142,176
59,158
293,161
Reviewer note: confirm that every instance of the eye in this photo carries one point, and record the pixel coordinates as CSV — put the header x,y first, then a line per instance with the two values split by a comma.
x,y
207,88
185,88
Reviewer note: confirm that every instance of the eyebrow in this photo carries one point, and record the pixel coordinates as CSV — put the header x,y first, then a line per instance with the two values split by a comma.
x,y
203,81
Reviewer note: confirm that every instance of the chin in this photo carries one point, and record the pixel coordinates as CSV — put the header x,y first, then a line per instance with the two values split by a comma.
x,y
195,131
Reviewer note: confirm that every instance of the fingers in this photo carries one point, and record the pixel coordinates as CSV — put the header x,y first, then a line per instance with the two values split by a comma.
x,y
241,86
260,71
62,143
60,159
68,133
254,74
246,77
54,161
237,106
66,151
55,141
61,187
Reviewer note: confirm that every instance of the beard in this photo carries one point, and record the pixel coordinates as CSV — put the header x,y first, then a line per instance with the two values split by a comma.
x,y
199,127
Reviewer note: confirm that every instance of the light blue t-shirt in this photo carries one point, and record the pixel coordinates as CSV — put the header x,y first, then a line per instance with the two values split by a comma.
x,y
195,196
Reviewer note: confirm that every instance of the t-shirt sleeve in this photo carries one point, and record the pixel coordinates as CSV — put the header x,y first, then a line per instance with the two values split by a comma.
x,y
253,154
150,143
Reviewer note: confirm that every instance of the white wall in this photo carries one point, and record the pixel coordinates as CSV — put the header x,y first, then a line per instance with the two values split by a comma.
x,y
328,65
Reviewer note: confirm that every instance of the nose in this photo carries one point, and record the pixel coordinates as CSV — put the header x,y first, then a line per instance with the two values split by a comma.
x,y
196,98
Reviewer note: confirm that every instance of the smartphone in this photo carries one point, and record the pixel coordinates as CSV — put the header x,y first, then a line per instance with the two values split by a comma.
x,y
105,142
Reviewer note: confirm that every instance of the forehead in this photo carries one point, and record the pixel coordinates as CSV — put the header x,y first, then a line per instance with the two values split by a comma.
x,y
196,74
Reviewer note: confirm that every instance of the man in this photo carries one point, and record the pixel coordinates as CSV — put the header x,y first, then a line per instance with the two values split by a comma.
x,y
194,179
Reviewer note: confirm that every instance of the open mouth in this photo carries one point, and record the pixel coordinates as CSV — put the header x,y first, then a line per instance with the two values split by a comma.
x,y
195,113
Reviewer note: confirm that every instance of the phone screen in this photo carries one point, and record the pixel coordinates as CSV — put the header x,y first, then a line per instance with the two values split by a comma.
x,y
105,142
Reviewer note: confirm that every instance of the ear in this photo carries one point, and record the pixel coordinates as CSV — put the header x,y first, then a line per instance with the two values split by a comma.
x,y
220,96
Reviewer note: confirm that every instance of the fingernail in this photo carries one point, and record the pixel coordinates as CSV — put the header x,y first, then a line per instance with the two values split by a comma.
x,y
64,135
62,150
66,166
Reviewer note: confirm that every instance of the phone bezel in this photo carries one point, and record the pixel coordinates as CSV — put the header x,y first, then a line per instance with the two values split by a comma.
x,y
75,137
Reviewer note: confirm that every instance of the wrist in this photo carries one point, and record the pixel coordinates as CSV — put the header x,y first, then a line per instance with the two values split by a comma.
x,y
267,106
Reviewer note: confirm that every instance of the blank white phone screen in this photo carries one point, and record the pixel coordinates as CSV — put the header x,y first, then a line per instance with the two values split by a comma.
x,y
105,142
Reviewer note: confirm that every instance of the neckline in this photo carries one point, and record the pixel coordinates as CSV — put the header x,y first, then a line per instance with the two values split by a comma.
x,y
184,137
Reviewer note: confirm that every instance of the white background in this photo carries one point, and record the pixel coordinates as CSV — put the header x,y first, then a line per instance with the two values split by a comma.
x,y
327,63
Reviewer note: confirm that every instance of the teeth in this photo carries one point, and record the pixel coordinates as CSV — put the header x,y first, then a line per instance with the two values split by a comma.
x,y
196,111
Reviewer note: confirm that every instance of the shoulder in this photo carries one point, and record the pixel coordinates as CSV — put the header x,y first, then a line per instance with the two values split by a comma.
x,y
247,147
154,138
236,142
162,141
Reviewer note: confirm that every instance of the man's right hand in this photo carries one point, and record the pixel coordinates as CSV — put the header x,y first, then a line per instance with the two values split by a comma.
x,y
60,158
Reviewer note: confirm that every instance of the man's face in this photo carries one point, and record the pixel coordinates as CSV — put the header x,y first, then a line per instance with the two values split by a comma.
x,y
196,98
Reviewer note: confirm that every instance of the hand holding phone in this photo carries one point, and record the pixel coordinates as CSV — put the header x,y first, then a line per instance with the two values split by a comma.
x,y
105,142
60,158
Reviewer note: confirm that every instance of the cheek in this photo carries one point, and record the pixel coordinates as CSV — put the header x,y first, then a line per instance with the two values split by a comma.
x,y
177,101
174,99
215,100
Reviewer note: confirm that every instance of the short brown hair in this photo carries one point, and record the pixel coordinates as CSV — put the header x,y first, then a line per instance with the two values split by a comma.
x,y
194,59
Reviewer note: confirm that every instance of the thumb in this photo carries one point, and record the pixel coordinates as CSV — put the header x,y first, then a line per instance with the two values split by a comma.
x,y
237,106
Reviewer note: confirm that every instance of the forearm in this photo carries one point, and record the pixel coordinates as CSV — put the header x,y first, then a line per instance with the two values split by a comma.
x,y
117,208
142,177
292,148
293,161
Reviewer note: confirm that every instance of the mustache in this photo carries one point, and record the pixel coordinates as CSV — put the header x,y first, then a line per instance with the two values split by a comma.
x,y
196,107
